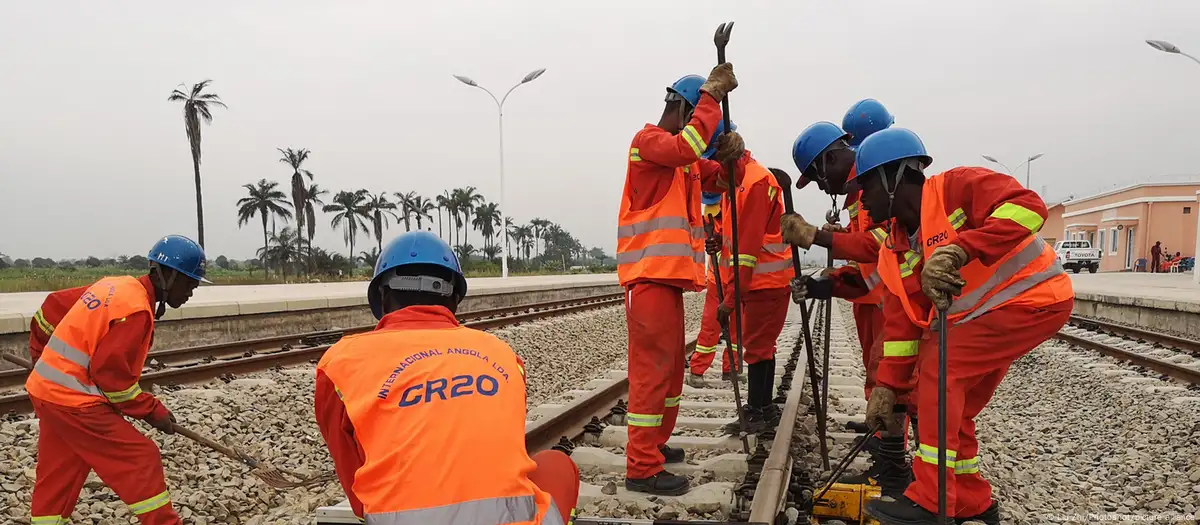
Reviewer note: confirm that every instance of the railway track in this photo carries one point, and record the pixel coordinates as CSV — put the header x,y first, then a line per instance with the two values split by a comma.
x,y
1172,356
200,363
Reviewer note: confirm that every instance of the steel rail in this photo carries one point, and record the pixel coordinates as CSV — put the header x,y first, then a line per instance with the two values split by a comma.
x,y
1168,368
1191,346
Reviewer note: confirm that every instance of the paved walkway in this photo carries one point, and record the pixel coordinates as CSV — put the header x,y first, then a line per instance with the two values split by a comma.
x,y
1175,291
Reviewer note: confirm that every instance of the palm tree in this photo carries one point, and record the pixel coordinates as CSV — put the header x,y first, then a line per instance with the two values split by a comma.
x,y
351,216
294,158
487,219
491,252
264,200
422,208
376,207
196,107
369,258
312,197
464,252
446,202
405,202
527,238
466,200
539,226
286,249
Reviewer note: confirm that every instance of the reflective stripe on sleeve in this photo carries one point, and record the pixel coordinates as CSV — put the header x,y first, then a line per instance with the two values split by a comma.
x,y
747,260
705,349
42,323
672,401
634,155
957,218
694,140
879,235
60,378
643,420
486,511
900,348
124,395
873,280
68,352
963,466
1020,215
151,504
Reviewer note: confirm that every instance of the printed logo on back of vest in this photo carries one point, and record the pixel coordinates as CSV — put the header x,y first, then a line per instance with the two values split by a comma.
x,y
443,389
90,300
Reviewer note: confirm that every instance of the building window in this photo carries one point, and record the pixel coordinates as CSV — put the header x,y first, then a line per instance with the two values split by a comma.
x,y
1187,210
1112,246
1101,242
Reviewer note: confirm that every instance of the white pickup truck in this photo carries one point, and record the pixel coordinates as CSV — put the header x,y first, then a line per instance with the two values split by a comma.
x,y
1077,256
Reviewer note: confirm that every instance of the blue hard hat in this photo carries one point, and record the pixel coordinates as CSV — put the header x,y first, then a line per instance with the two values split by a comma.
x,y
712,143
418,247
812,141
886,146
687,88
709,199
181,254
864,118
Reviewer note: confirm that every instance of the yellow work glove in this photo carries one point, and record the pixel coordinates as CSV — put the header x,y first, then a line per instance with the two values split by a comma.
x,y
940,280
797,231
834,228
879,410
730,147
721,81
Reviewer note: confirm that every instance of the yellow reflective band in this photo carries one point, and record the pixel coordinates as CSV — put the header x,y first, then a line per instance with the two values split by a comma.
x,y
966,466
747,260
634,155
958,218
1020,215
47,520
42,323
853,208
672,401
879,234
911,259
338,391
693,139
151,504
900,348
643,420
705,349
124,395
521,369
771,193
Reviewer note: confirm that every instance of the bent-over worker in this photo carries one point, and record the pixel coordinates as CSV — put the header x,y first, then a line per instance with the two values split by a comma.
x,y
424,418
710,329
86,379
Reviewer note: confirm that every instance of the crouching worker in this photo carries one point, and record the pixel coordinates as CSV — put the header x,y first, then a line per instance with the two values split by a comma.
x,y
425,419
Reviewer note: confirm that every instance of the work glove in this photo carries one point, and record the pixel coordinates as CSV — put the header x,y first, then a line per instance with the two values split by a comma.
x,y
712,245
879,410
163,420
940,280
730,147
723,313
799,289
720,81
797,231
833,228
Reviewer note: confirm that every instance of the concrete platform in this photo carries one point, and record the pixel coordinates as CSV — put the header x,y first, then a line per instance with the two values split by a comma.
x,y
218,314
1154,301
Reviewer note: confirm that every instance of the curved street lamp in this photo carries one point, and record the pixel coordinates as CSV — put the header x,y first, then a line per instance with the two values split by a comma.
x,y
500,109
1167,47
1027,162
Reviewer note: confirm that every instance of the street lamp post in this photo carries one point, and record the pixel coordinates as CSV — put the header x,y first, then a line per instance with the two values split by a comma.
x,y
1027,163
500,111
1167,47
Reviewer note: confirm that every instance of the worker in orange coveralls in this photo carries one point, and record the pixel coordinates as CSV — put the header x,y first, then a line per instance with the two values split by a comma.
x,y
86,379
964,242
54,308
424,418
764,266
710,330
660,253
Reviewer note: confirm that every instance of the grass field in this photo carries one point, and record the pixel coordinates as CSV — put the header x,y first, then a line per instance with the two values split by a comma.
x,y
49,279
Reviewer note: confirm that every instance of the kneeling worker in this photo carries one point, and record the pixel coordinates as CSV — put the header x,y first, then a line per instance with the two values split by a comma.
x,y
964,242
425,419
86,378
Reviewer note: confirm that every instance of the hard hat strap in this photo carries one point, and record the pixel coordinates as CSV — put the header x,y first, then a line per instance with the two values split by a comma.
x,y
419,283
164,284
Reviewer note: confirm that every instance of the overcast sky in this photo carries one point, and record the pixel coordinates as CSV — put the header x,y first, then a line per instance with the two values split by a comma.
x,y
94,160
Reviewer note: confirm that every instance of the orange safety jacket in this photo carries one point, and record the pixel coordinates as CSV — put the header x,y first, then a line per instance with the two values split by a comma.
x,y
1027,275
439,414
666,240
860,221
772,263
61,376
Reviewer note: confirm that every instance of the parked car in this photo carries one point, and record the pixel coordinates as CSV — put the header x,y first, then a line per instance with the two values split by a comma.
x,y
1077,256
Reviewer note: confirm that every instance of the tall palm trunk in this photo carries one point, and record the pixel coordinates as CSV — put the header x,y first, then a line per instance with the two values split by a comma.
x,y
266,244
439,222
199,198
298,198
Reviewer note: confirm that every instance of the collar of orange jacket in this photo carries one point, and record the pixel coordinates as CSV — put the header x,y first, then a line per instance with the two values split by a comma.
x,y
418,317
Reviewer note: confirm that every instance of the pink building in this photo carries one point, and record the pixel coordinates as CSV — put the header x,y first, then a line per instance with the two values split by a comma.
x,y
1126,222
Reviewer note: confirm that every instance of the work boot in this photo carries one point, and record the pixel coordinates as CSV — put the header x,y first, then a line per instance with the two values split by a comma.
x,y
858,427
890,468
672,455
662,484
900,510
755,422
696,381
991,516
